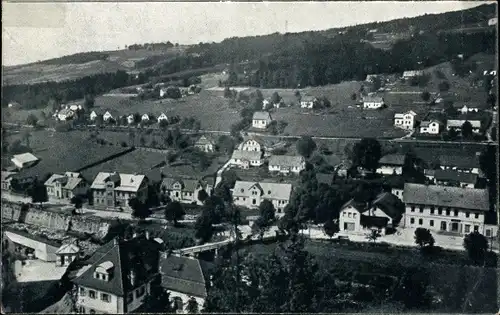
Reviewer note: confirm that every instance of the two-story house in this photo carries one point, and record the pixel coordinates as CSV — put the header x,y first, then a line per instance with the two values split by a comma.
x,y
405,120
287,164
258,144
431,127
384,214
120,275
440,208
185,190
451,178
261,120
251,194
391,164
461,163
114,190
109,115
245,159
205,144
373,102
66,186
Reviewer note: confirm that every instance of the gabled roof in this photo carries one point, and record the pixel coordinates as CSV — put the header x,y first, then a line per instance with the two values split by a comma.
x,y
203,140
127,182
184,275
373,99
261,116
69,180
466,198
186,184
25,158
246,155
69,248
427,123
459,123
7,175
392,159
138,255
66,112
450,175
308,98
268,190
390,204
286,160
18,236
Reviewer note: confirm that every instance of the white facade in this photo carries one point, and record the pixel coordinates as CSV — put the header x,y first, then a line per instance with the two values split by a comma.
x,y
250,194
432,128
93,115
42,250
185,299
465,109
107,116
398,192
373,105
145,117
389,170
130,119
65,115
265,103
493,21
286,168
350,220
250,145
162,117
405,121
260,123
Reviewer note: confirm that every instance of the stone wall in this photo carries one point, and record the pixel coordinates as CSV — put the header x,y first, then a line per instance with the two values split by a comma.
x,y
55,220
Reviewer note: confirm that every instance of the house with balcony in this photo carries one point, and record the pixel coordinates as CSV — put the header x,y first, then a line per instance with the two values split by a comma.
x,y
287,164
445,209
66,186
113,191
185,190
251,194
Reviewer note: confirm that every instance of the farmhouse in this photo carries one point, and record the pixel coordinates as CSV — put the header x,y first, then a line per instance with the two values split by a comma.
x,y
391,164
451,178
371,78
66,186
114,190
204,144
252,144
145,117
405,120
94,114
396,185
31,245
130,119
251,194
412,74
245,159
24,160
119,277
108,115
185,190
184,278
6,179
456,124
65,114
432,127
261,120
383,214
67,253
440,208
308,101
373,102
287,163
162,117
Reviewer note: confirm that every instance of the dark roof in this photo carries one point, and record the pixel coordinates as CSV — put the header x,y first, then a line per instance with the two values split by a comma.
x,y
452,159
184,275
392,159
395,181
465,198
450,175
370,221
390,204
138,254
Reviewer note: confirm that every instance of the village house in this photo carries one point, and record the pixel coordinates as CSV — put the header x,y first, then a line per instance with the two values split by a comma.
x,y
287,163
66,186
6,179
245,159
308,101
120,275
108,115
130,119
373,102
93,115
162,117
75,107
431,127
391,164
412,74
65,114
68,253
371,78
265,104
459,163
466,109
440,208
383,214
406,120
261,120
114,190
163,92
451,178
204,144
145,117
31,245
251,144
456,124
251,194
185,190
185,278
395,184
24,160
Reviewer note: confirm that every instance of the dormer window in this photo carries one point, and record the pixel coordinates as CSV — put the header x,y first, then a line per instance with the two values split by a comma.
x,y
103,271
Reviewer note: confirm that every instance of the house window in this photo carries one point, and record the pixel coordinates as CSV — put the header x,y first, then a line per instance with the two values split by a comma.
x,y
476,228
476,215
140,292
421,209
420,221
431,222
105,297
412,220
354,215
448,212
81,310
82,291
92,294
130,297
467,214
467,228
412,208
488,233
349,215
455,212
440,211
432,210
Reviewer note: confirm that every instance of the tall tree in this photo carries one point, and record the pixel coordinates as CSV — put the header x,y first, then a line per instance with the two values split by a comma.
x,y
306,146
466,130
192,306
77,201
139,209
174,212
423,237
331,228
476,245
367,153
38,192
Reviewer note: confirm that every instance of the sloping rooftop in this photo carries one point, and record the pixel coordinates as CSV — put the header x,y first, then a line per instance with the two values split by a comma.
x,y
246,155
392,159
204,140
127,182
373,99
268,190
458,123
7,175
261,116
25,158
186,184
455,197
412,73
286,160
184,275
450,175
390,204
68,249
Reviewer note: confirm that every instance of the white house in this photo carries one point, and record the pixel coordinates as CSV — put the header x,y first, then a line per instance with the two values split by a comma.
x,y
185,190
287,163
145,117
391,164
464,109
261,120
245,159
66,186
163,93
68,253
65,114
24,160
405,120
451,178
250,145
457,124
373,102
162,117
107,116
412,73
204,144
307,101
384,213
432,127
93,115
130,119
265,104
441,208
114,190
32,245
371,78
251,194
118,280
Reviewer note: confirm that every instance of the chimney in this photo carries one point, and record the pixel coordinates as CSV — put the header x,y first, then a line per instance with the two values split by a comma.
x,y
115,241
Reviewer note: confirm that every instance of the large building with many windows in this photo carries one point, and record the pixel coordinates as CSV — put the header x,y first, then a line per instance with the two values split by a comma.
x,y
446,209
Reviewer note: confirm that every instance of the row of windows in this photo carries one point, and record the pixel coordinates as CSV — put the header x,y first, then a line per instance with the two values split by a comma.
x,y
447,211
467,227
93,295
82,310
349,214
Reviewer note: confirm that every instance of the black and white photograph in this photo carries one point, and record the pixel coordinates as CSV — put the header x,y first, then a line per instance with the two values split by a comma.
x,y
250,157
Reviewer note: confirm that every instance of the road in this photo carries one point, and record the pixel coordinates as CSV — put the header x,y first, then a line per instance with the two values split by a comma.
x,y
218,179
